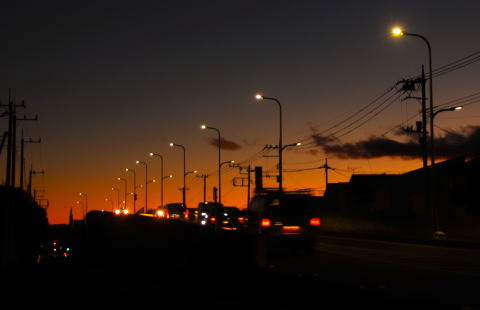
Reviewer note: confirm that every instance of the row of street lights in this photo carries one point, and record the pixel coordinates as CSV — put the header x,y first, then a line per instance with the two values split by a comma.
x,y
280,147
395,31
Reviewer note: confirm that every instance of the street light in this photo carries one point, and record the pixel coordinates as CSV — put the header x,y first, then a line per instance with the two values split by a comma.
x,y
231,162
161,176
146,183
398,32
118,196
86,205
203,127
134,188
82,205
124,181
260,97
457,108
184,171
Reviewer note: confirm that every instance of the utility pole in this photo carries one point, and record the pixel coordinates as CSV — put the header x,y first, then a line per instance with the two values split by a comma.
x,y
22,157
10,179
31,174
240,181
409,86
326,167
204,177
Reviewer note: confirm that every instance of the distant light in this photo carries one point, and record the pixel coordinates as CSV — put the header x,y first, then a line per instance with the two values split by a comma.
x,y
126,169
137,162
125,211
170,176
195,171
265,223
203,127
458,108
151,154
203,222
397,32
117,212
315,221
225,214
171,144
258,97
299,144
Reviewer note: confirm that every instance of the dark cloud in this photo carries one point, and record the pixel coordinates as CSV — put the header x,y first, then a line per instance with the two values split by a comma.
x,y
465,142
226,144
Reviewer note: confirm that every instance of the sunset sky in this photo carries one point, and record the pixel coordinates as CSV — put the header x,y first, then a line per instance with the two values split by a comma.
x,y
112,81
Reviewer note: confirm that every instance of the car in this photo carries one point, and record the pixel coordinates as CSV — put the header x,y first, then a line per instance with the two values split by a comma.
x,y
283,219
176,211
228,218
207,213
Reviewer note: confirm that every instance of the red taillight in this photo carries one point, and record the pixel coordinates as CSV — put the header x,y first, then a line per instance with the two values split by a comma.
x,y
241,219
315,221
167,214
186,214
265,223
212,219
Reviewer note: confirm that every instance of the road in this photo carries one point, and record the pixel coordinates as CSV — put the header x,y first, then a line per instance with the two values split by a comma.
x,y
180,265
404,271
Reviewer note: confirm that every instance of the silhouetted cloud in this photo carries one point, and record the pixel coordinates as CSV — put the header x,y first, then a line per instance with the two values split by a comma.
x,y
226,144
466,142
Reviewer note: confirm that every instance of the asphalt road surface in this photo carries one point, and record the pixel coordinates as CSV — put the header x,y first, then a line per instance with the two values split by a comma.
x,y
428,274
143,264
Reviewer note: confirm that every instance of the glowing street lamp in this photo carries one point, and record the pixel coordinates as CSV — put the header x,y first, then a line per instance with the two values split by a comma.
x,y
118,196
260,98
203,127
146,183
161,176
86,205
398,32
184,171
124,181
134,188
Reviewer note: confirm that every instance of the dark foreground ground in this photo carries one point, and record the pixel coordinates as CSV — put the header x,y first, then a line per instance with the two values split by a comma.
x,y
137,262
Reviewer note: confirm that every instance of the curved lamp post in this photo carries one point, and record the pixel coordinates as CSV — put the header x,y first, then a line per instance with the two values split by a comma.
x,y
118,196
124,181
138,162
134,188
184,171
86,205
280,145
161,176
398,32
203,127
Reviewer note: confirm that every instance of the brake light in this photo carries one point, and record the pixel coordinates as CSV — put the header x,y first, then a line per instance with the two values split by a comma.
x,y
186,214
241,219
167,214
265,223
315,221
212,219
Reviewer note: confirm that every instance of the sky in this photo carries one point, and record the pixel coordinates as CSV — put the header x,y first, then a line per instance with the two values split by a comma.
x,y
112,81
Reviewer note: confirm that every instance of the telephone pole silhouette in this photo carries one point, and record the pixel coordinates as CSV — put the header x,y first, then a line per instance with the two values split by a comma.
x,y
22,157
10,178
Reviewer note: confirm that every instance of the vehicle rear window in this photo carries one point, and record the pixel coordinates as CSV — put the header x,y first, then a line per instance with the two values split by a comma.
x,y
295,205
